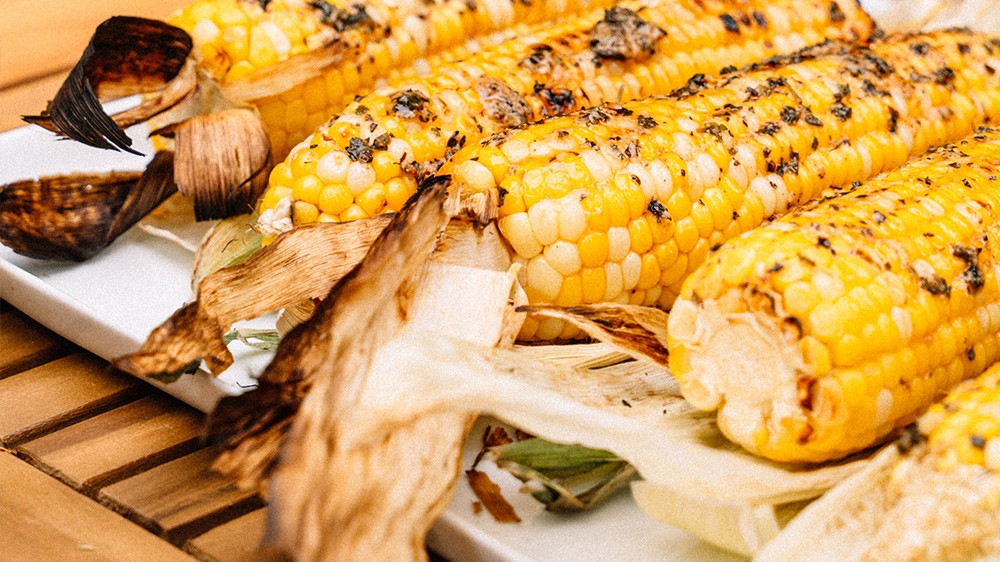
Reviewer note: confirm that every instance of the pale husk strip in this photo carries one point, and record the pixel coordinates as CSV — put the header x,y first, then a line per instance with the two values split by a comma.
x,y
301,264
229,242
636,330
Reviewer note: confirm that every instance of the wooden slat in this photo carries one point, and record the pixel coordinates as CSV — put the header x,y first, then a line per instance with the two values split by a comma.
x,y
237,541
180,498
58,392
118,443
41,519
26,344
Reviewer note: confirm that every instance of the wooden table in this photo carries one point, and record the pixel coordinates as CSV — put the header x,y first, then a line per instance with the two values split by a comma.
x,y
96,465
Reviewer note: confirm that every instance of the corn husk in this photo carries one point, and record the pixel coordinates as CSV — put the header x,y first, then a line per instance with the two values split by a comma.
x,y
74,217
229,242
223,155
301,265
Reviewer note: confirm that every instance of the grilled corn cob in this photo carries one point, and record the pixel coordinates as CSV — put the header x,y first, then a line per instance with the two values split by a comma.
x,y
935,495
623,203
818,334
370,158
237,38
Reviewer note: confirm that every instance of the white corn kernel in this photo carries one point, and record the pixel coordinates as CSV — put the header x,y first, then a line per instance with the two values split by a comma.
x,y
619,243
516,228
544,221
360,176
543,279
332,167
563,257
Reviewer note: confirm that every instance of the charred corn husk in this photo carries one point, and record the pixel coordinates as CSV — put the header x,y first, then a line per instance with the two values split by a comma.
x,y
621,204
369,159
818,334
236,39
935,495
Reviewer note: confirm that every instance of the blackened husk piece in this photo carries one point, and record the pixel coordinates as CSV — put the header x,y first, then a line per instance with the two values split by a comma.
x,y
126,55
74,217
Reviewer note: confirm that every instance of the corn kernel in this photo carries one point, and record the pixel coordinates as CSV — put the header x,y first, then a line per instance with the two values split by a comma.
x,y
334,199
304,213
308,189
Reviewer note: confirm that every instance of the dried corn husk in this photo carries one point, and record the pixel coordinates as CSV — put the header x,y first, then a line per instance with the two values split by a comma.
x,y
74,217
222,152
229,242
269,280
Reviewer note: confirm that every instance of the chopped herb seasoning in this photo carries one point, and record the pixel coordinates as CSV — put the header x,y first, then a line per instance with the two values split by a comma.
x,y
841,111
647,122
935,285
769,128
410,104
790,114
358,150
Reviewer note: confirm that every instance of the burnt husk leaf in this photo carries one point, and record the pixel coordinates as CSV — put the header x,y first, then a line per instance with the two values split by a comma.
x,y
126,55
73,217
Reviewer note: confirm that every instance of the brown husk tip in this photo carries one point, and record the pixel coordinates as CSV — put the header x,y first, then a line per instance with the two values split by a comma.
x,y
73,217
222,162
125,56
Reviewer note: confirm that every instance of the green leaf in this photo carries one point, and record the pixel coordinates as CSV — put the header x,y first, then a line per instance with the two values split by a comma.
x,y
266,340
564,477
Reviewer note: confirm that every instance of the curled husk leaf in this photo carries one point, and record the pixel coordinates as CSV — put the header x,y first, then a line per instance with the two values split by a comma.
x,y
222,162
74,217
125,56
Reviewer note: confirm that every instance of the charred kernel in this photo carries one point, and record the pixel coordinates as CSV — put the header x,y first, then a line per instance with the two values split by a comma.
x,y
658,209
813,120
411,104
836,12
729,22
